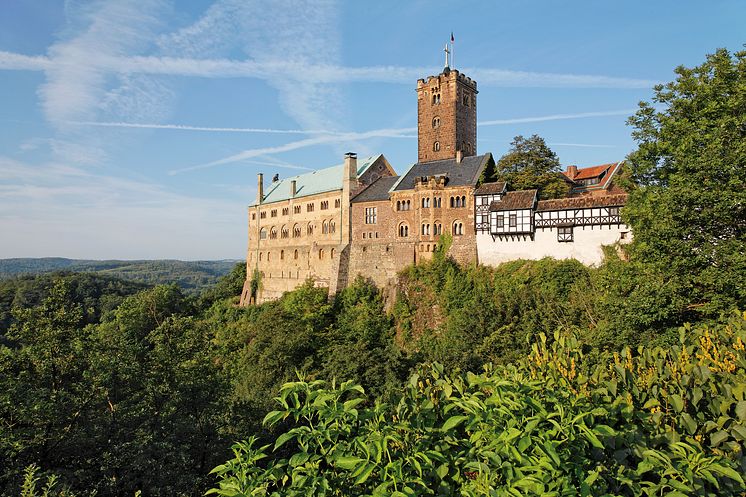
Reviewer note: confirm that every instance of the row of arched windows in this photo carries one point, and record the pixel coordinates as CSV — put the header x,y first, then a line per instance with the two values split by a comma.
x,y
435,202
432,229
403,205
327,227
458,201
268,255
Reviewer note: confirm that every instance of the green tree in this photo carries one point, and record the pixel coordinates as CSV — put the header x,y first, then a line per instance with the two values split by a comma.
x,y
688,213
531,164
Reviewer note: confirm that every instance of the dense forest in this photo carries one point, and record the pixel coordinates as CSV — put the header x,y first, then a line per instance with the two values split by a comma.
x,y
190,276
532,378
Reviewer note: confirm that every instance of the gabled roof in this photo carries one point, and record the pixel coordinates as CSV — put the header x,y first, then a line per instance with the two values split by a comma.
x,y
378,190
586,201
319,181
521,199
465,173
490,188
605,172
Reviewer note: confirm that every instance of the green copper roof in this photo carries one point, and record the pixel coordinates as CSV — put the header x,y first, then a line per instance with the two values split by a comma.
x,y
319,181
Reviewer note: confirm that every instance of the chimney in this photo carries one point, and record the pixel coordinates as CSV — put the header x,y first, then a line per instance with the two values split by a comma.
x,y
459,156
350,168
260,188
571,172
292,188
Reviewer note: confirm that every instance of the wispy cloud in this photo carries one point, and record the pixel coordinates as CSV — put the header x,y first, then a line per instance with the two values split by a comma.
x,y
387,133
186,127
581,145
78,80
557,117
307,142
321,73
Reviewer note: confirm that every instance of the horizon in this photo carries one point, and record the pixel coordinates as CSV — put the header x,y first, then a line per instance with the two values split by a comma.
x,y
133,130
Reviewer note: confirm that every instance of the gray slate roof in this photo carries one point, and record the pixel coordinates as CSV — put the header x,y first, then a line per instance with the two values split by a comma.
x,y
464,174
378,190
521,199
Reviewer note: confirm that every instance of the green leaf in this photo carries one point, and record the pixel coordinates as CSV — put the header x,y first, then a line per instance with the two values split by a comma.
x,y
676,402
718,437
272,417
352,403
348,462
283,438
689,423
741,410
365,474
452,422
299,459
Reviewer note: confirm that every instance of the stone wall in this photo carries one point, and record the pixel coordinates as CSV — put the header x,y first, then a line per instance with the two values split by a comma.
x,y
451,120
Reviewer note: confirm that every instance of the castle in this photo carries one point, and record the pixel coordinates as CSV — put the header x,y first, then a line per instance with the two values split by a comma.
x,y
360,218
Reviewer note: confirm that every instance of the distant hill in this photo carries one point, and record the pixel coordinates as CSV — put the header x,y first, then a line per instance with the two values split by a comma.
x,y
190,276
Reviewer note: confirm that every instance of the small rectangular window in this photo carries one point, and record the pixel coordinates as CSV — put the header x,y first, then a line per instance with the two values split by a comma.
x,y
513,220
500,220
564,234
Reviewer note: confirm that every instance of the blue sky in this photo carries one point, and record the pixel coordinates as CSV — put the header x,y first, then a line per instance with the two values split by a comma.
x,y
135,128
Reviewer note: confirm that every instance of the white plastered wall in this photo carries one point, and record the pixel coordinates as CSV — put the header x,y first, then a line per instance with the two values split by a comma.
x,y
586,247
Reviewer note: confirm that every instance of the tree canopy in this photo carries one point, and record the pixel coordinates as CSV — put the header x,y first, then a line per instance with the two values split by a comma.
x,y
531,164
688,212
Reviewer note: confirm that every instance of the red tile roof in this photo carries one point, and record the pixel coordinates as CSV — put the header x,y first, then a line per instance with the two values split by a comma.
x,y
522,199
488,188
594,172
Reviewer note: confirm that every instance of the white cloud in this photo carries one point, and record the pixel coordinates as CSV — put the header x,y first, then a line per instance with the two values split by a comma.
x,y
79,81
57,210
557,117
326,73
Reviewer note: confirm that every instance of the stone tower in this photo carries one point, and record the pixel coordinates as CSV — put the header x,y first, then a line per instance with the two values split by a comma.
x,y
446,116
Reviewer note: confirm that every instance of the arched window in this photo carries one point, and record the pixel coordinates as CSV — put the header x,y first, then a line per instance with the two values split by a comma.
x,y
436,122
260,256
436,147
403,230
263,234
321,253
337,203
282,255
463,201
466,99
309,229
325,228
409,204
296,231
273,233
331,253
458,228
468,148
284,232
332,227
269,256
452,204
398,205
437,202
295,254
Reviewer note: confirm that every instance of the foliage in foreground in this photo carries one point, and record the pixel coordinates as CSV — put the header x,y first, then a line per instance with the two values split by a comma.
x,y
660,421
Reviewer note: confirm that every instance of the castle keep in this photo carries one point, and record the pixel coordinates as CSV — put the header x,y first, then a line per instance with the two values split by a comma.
x,y
360,218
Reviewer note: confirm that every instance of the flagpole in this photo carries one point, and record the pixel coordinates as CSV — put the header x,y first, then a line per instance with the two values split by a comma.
x,y
453,57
